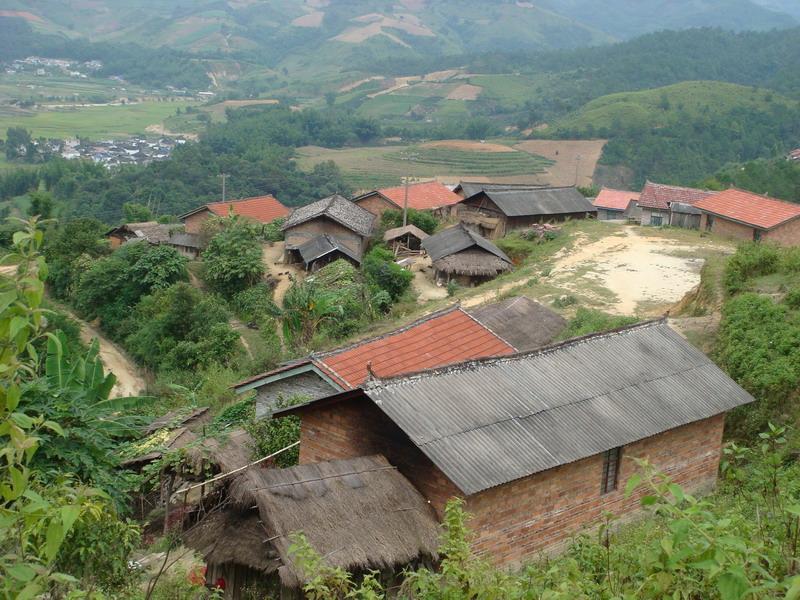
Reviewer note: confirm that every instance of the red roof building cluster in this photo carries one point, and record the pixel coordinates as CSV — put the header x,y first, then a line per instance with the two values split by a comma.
x,y
749,208
261,208
659,196
615,199
422,196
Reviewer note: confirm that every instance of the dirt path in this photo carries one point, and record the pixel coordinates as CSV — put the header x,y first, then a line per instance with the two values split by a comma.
x,y
423,282
646,274
272,255
130,380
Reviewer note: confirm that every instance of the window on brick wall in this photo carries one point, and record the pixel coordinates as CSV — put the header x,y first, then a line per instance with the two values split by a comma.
x,y
611,460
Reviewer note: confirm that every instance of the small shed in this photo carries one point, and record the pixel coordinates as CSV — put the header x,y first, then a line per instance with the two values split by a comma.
x,y
405,240
324,249
684,215
148,231
188,244
461,255
360,514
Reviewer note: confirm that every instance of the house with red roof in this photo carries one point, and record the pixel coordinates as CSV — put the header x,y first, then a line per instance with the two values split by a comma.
x,y
441,338
616,204
747,216
794,154
262,209
428,195
670,205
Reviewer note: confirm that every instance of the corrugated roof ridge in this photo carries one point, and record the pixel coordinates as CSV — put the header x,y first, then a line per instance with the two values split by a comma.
x,y
407,377
425,318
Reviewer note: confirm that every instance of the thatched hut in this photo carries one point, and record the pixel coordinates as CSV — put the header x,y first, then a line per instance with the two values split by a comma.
x,y
405,240
359,514
461,255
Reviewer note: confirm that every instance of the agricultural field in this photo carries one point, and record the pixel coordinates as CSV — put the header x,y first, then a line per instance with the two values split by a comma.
x,y
451,160
94,122
59,89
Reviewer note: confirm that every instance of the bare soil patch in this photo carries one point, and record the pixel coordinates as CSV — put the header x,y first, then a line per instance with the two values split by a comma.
x,y
423,282
441,75
272,255
646,274
570,156
465,91
355,84
240,103
22,14
375,24
468,146
312,19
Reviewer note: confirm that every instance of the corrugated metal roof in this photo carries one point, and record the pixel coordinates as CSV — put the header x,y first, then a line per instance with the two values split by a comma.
x,y
520,321
470,188
485,423
541,201
455,239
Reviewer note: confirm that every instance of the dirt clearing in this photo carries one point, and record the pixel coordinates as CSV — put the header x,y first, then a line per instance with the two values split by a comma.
x,y
644,274
130,381
468,146
572,157
465,91
313,19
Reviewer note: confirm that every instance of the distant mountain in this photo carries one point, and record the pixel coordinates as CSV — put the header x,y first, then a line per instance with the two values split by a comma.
x,y
276,30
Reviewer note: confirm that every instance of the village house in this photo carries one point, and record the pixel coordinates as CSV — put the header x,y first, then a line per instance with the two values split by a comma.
x,y
361,514
465,189
494,214
617,204
189,245
429,195
348,228
538,444
747,216
447,336
670,205
261,209
461,255
147,231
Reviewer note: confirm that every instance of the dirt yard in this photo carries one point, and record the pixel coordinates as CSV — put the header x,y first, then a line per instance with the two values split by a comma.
x,y
272,255
630,271
468,146
569,156
423,282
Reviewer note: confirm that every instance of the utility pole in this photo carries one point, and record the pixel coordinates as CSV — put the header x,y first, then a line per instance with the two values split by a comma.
x,y
405,203
577,166
224,177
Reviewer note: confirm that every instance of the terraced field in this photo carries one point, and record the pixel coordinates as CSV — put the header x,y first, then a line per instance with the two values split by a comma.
x,y
368,168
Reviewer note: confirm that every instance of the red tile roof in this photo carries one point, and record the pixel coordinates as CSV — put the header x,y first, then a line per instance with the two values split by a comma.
x,y
748,208
656,195
422,196
446,338
261,208
614,199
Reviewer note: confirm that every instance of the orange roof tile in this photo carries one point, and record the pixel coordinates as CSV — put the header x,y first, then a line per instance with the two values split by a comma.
x,y
659,196
261,208
422,196
745,207
615,199
444,339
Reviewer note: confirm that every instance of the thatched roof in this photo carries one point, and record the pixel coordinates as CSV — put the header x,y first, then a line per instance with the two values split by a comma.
x,y
181,417
472,262
229,536
398,232
359,514
520,321
151,231
228,451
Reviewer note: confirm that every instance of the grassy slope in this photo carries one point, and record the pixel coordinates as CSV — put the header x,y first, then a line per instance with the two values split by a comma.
x,y
660,106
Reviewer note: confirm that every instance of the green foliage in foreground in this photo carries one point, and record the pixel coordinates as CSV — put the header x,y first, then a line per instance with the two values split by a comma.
x,y
423,219
383,273
54,536
740,543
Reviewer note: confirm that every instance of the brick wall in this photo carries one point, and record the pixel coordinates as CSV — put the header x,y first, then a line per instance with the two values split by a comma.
x,y
516,521
726,228
519,519
786,235
376,204
358,428
300,234
194,223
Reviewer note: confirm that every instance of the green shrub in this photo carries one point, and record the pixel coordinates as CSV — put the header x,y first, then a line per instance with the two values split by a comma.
x,y
273,231
792,299
516,247
423,219
382,272
751,260
255,304
233,259
565,301
452,288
